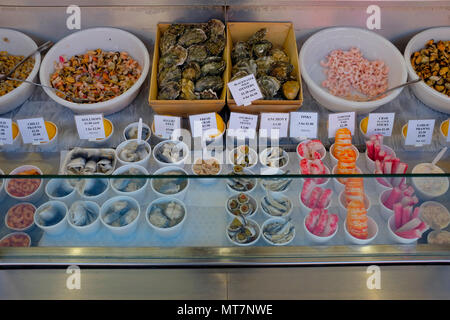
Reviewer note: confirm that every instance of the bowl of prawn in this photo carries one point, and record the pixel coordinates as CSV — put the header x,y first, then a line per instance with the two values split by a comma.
x,y
316,50
106,39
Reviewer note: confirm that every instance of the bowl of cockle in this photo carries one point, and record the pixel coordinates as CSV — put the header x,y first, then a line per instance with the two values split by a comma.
x,y
171,153
14,47
99,70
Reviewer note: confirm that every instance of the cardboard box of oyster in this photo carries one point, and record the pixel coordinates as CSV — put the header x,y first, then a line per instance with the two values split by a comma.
x,y
278,44
198,63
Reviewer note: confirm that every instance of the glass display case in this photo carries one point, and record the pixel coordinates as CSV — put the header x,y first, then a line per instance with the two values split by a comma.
x,y
227,201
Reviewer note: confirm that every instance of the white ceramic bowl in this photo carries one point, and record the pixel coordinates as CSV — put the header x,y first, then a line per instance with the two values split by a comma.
x,y
52,186
143,162
179,163
271,220
372,46
426,195
439,224
166,232
110,39
17,233
394,236
136,124
385,212
263,157
92,227
247,173
318,239
18,44
98,198
306,210
371,164
57,228
252,154
180,195
250,199
245,244
37,194
207,181
372,233
334,160
343,208
338,186
139,194
322,151
424,93
123,230
273,171
277,197
19,229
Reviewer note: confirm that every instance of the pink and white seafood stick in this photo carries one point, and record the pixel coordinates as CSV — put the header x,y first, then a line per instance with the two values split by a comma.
x,y
325,198
415,213
409,201
410,234
314,197
319,228
410,225
321,223
332,225
373,147
398,212
308,187
406,214
311,219
394,197
310,149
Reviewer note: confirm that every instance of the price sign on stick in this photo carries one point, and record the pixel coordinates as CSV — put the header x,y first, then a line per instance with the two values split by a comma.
x,y
380,123
33,130
165,125
201,123
303,125
419,133
340,120
242,125
6,136
90,126
274,124
245,90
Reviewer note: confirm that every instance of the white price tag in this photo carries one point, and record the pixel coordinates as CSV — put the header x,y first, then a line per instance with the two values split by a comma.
x,y
274,125
340,120
448,131
201,123
419,133
245,90
90,126
303,125
33,130
242,125
6,136
381,123
165,125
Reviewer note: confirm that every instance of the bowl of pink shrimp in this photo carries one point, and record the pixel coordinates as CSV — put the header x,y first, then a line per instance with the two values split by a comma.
x,y
345,67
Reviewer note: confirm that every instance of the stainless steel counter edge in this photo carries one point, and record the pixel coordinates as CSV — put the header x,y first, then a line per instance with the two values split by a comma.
x,y
223,256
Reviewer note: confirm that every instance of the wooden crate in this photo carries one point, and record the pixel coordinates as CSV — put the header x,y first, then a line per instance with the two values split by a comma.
x,y
182,108
280,34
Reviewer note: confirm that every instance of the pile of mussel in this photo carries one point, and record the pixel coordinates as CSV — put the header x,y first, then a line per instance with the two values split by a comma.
x,y
191,63
270,66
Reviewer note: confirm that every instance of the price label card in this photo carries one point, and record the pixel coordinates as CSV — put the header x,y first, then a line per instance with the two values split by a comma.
x,y
420,132
303,125
165,125
90,126
242,125
340,120
448,131
274,125
200,123
381,123
6,136
245,90
33,130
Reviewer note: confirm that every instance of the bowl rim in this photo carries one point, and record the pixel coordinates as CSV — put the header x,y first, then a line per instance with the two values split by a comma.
x,y
337,100
244,244
59,223
413,74
36,67
103,104
16,205
23,168
126,167
17,233
277,195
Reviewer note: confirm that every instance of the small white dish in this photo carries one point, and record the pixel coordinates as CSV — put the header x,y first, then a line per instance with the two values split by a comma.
x,y
179,195
139,194
394,237
253,156
372,233
247,173
251,200
258,231
323,181
272,220
57,228
334,160
305,209
122,230
371,164
166,232
179,163
52,187
343,208
99,198
34,196
135,125
91,228
143,162
27,228
338,186
210,180
277,197
263,158
318,239
323,151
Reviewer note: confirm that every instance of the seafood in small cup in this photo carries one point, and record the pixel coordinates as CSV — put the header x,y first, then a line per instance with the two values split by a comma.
x,y
81,161
20,217
241,204
129,184
170,186
241,184
133,151
278,231
120,213
274,157
92,187
50,214
209,166
242,231
278,206
81,214
166,214
171,152
16,239
244,156
276,184
131,132
59,188
23,189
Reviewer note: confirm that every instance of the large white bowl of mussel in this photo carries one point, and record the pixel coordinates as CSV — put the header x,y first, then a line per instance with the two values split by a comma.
x,y
166,216
243,231
102,69
189,68
14,47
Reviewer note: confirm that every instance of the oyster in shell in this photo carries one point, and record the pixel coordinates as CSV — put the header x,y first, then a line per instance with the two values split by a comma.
x,y
216,45
213,68
192,71
214,83
172,73
262,48
279,55
281,70
240,51
197,53
264,65
176,29
247,65
192,36
239,74
216,28
170,91
187,90
175,56
269,86
257,36
167,41
207,95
